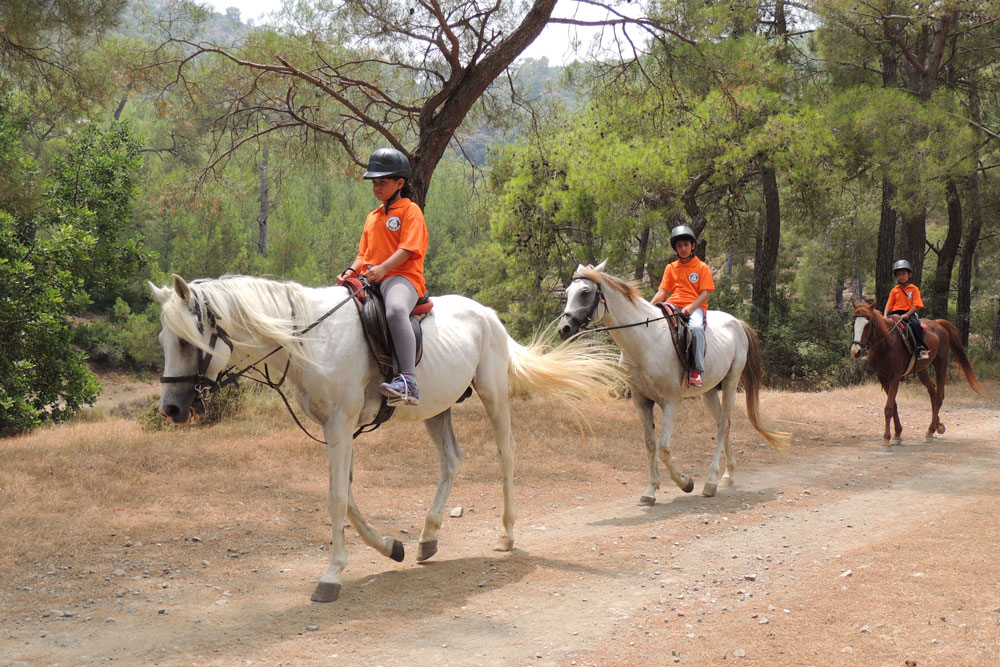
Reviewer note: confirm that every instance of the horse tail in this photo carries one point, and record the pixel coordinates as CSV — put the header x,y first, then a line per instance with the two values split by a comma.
x,y
577,372
961,356
752,379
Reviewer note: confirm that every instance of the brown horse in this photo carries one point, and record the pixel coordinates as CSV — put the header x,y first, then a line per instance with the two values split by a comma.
x,y
877,339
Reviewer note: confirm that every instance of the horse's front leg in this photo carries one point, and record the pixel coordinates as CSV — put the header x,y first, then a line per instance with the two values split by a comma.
x,y
669,407
339,450
891,414
721,414
450,454
644,406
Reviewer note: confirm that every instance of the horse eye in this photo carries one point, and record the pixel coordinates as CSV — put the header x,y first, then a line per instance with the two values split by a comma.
x,y
183,343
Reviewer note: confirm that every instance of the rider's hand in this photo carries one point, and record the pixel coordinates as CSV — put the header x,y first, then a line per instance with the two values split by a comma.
x,y
687,310
376,273
341,278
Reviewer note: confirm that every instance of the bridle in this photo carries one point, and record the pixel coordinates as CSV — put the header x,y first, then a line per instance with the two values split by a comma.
x,y
864,347
203,385
600,299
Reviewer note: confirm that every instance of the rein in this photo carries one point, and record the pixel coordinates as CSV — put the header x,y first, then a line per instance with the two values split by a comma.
x,y
599,298
205,387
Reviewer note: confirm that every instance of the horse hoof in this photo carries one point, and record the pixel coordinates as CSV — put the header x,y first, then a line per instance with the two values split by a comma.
x,y
896,441
398,553
647,500
689,487
504,544
325,592
709,490
426,549
929,437
940,428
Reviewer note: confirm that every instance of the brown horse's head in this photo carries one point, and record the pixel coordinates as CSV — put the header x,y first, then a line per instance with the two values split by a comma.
x,y
868,324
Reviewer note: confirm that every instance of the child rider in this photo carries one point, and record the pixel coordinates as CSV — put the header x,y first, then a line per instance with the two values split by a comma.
x,y
391,253
688,280
904,300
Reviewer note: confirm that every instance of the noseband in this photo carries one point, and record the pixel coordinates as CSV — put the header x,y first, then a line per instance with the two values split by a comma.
x,y
203,386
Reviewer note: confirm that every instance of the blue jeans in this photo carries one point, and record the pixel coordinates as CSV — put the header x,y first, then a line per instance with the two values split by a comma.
x,y
697,326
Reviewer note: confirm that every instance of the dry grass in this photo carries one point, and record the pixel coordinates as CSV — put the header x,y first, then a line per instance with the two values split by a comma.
x,y
86,486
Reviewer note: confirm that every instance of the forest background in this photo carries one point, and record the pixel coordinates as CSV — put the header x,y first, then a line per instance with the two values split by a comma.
x,y
809,144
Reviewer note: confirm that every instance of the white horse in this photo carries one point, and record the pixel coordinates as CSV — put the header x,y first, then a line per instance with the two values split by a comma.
x,y
211,324
655,375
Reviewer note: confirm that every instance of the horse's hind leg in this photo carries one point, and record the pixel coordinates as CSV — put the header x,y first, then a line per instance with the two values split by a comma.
x,y
492,389
891,413
721,413
443,434
711,399
644,406
932,392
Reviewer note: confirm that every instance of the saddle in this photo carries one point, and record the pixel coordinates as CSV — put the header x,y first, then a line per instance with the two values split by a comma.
x,y
905,332
680,334
371,309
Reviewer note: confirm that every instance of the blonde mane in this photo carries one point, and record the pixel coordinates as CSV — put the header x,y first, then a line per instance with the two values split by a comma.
x,y
271,310
628,288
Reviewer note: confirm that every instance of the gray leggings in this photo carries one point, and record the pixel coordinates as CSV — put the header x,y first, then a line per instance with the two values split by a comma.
x,y
400,297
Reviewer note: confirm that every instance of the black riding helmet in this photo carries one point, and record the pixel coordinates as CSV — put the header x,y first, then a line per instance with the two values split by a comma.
x,y
388,163
682,232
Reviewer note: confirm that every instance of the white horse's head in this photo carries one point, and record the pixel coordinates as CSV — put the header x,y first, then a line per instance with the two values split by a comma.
x,y
195,350
583,300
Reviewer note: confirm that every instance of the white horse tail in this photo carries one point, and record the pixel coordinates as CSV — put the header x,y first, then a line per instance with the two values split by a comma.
x,y
752,380
576,372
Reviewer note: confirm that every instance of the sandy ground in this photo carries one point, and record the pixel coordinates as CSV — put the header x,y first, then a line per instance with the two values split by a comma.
x,y
835,551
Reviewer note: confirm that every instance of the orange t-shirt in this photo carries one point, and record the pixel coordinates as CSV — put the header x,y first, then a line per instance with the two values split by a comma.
x,y
904,298
686,281
403,226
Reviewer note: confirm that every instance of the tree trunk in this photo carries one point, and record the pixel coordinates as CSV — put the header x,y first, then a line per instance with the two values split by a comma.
x,y
443,113
643,250
766,252
886,249
940,289
995,342
264,206
912,238
963,300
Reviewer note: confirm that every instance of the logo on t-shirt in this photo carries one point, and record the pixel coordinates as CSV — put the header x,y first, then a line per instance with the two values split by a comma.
x,y
693,276
909,295
393,224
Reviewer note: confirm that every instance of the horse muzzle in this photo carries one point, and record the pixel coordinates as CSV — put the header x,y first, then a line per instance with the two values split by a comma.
x,y
568,326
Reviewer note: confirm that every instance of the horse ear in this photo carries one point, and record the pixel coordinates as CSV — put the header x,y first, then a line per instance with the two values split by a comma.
x,y
600,267
854,303
579,268
160,294
182,289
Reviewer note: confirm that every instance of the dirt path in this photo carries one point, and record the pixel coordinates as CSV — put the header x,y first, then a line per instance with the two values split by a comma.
x,y
839,552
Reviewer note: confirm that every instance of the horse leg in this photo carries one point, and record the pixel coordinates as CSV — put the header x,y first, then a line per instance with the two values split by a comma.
x,y
684,482
443,434
644,406
925,379
941,373
891,413
720,413
493,394
389,547
339,450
